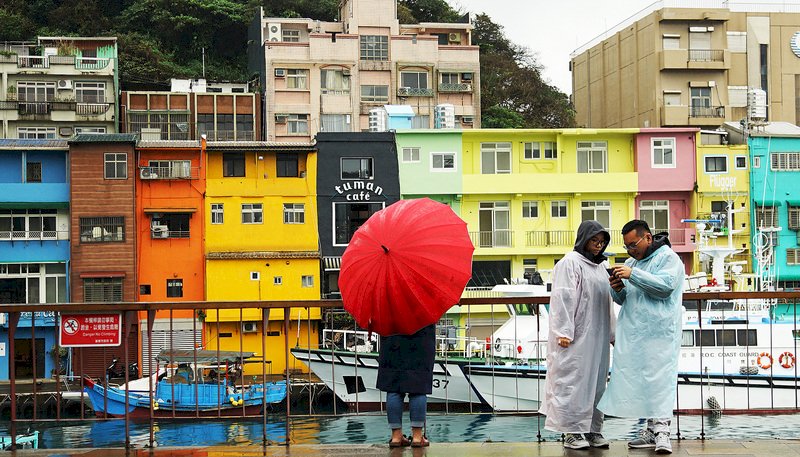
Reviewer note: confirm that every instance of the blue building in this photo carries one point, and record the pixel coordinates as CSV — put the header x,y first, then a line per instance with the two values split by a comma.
x,y
34,249
774,189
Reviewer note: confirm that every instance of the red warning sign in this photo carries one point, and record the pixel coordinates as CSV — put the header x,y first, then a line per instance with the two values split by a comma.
x,y
90,330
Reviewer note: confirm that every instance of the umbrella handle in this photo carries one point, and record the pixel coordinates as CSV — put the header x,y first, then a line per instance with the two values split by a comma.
x,y
385,249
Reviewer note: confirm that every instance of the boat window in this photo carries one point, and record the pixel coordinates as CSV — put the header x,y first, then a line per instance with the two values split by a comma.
x,y
747,337
705,337
796,334
691,305
726,337
688,338
720,305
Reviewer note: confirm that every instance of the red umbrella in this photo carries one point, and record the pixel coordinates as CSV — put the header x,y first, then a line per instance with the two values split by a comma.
x,y
406,266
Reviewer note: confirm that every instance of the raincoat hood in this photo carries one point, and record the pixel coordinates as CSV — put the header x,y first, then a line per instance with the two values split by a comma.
x,y
586,231
659,239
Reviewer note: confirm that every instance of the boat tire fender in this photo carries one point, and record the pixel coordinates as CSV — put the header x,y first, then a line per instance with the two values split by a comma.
x,y
786,359
764,360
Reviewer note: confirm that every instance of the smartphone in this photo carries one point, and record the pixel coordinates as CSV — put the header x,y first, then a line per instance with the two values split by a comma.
x,y
610,272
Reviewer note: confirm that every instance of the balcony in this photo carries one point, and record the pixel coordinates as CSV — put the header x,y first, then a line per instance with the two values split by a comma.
x,y
455,87
91,109
706,55
414,92
229,135
28,108
166,173
37,235
492,239
566,238
80,63
703,59
163,232
682,115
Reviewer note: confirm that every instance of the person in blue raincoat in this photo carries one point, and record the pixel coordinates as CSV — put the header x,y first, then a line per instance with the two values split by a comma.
x,y
580,330
644,370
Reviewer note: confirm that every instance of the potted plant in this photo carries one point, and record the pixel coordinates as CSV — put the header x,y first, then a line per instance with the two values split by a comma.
x,y
11,93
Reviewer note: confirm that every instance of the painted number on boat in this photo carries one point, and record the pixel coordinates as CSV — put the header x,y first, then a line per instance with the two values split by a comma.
x,y
90,330
440,383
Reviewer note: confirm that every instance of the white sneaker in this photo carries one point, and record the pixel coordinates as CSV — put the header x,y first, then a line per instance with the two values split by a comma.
x,y
663,445
575,441
645,440
597,440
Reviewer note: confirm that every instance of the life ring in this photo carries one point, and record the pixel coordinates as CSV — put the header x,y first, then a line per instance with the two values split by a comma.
x,y
764,360
786,359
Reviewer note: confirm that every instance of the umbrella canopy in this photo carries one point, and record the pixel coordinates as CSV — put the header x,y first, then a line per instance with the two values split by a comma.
x,y
406,266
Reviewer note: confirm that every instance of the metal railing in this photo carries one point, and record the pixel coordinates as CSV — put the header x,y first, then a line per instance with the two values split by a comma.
x,y
492,239
35,107
706,55
174,172
19,235
161,234
414,92
91,109
81,63
455,87
706,111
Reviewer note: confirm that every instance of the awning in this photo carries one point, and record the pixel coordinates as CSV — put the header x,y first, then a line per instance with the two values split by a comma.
x,y
767,202
332,263
793,202
33,205
103,274
170,210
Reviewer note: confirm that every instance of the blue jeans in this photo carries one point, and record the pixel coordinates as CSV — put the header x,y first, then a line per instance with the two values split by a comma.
x,y
417,404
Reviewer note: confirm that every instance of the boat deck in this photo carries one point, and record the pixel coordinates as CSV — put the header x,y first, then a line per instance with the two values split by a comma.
x,y
756,448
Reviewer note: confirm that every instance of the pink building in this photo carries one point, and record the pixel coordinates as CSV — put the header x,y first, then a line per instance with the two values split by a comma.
x,y
665,161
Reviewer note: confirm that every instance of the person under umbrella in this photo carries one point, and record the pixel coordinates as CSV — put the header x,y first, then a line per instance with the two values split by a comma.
x,y
578,345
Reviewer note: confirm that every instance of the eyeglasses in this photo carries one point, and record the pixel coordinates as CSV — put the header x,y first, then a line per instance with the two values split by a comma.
x,y
598,243
631,247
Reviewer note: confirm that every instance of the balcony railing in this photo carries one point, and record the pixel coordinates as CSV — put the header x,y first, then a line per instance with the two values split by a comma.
x,y
20,235
706,111
33,62
91,63
174,172
91,109
492,239
414,92
229,135
455,87
80,63
160,234
9,105
706,55
35,107
547,238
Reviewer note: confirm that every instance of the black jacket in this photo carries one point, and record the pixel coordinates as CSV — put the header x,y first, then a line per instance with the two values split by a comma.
x,y
405,362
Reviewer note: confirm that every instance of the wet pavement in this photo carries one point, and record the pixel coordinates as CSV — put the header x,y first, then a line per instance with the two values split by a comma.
x,y
707,448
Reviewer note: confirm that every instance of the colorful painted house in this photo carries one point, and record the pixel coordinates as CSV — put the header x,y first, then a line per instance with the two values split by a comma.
x,y
261,244
34,251
170,187
666,165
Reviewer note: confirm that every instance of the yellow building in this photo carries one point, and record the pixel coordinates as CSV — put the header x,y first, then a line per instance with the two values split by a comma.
x,y
261,245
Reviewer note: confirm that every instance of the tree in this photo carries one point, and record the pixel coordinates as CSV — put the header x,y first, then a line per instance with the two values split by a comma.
x,y
498,117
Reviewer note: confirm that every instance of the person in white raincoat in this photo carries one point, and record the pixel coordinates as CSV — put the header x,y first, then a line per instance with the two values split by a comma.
x,y
578,346
644,371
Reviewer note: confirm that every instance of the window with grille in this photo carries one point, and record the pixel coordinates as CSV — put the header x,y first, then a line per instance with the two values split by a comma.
x,y
794,217
785,161
294,213
35,91
252,213
290,36
374,47
174,287
20,224
116,165
793,256
766,216
102,289
33,172
592,157
102,229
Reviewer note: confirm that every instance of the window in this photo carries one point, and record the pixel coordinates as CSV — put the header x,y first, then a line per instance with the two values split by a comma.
x,y
414,79
558,209
495,158
785,161
410,155
700,102
663,150
36,133
793,256
357,168
716,164
33,172
767,216
170,225
599,211
348,217
144,289
99,229
741,162
86,92
530,209
687,338
287,164
244,127
31,93
205,124
335,122
534,150
116,165
756,162
371,93
174,287
494,222
307,281
233,164
89,130
656,214
671,41
374,47
443,161
252,213
294,213
794,217
449,78
298,124
421,121
290,36
334,82
672,98
296,78
277,280
102,289
28,224
592,156
217,213
170,168
529,267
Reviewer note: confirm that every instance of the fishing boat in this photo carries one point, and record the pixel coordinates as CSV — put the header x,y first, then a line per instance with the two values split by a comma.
x,y
28,440
200,383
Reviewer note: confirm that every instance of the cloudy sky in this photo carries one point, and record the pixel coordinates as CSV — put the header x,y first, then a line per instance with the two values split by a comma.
x,y
551,30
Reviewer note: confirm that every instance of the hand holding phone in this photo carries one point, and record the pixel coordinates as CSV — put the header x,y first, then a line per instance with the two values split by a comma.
x,y
611,272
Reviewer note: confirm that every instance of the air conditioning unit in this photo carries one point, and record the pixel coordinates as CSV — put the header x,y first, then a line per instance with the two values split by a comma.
x,y
467,119
148,173
377,120
445,116
249,327
280,72
466,76
454,37
160,231
64,84
281,118
274,32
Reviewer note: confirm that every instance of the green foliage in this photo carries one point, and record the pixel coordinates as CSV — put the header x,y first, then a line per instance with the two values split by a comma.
x,y
497,117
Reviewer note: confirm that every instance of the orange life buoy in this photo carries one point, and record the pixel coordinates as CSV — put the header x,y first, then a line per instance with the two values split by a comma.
x,y
786,359
764,360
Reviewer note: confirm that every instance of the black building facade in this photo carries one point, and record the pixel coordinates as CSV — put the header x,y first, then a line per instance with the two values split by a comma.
x,y
357,176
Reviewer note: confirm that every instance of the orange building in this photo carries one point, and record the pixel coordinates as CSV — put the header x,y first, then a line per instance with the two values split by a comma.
x,y
170,184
